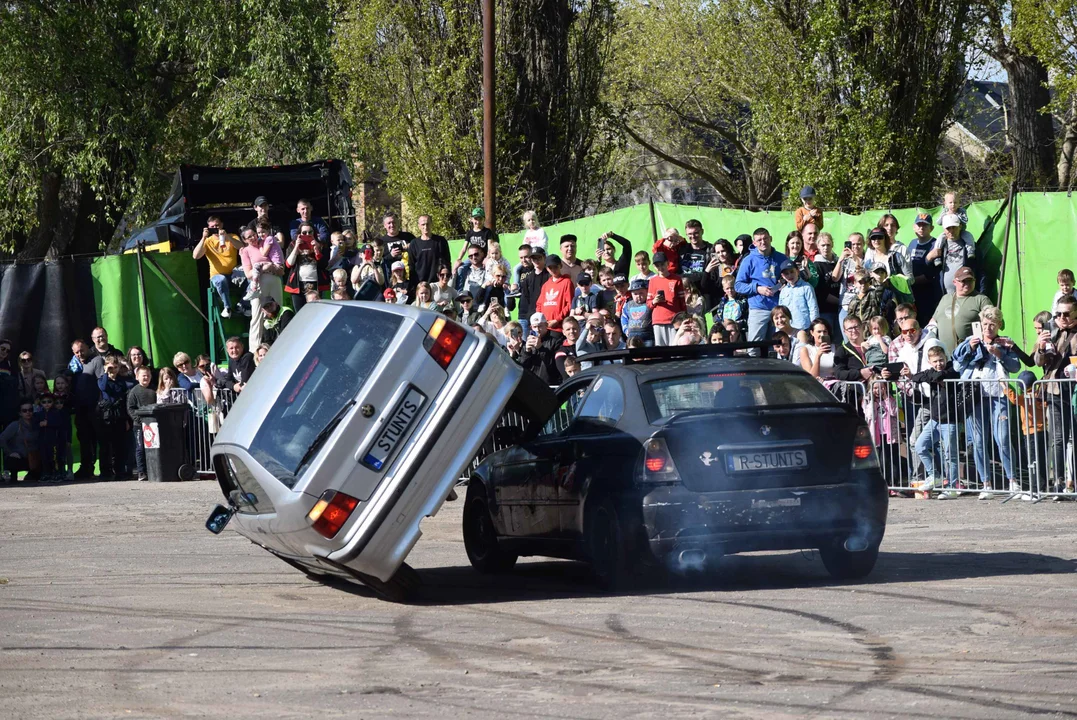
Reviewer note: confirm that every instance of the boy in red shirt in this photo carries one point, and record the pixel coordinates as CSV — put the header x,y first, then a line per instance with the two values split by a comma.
x,y
670,246
665,297
555,297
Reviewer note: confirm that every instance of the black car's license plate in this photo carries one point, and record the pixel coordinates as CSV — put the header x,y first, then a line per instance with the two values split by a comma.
x,y
395,430
770,460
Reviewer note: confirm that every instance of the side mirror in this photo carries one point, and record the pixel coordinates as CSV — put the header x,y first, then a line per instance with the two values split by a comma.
x,y
218,519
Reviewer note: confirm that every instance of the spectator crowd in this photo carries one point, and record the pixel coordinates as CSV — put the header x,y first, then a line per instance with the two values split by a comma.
x,y
899,319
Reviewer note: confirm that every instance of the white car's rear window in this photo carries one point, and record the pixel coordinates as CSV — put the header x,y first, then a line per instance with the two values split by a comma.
x,y
327,379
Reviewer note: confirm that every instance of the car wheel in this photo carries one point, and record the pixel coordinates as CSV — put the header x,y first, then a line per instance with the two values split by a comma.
x,y
480,536
606,549
845,565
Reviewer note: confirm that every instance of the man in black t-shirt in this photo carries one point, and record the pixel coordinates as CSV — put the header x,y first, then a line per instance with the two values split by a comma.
x,y
426,254
261,212
694,254
396,241
531,286
477,236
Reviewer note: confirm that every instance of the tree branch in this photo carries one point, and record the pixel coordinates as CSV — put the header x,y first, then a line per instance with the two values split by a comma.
x,y
724,189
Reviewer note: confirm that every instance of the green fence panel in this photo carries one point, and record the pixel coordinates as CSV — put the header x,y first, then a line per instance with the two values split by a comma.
x,y
174,324
1042,242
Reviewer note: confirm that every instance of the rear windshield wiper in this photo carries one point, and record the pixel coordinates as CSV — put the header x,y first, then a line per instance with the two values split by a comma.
x,y
322,436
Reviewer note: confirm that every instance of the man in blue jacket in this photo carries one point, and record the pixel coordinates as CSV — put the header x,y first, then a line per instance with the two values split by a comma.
x,y
757,280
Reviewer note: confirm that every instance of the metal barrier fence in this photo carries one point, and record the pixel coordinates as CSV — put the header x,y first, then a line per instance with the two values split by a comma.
x,y
206,419
987,437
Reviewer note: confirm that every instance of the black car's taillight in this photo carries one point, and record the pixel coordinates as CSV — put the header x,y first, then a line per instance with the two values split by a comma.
x,y
864,456
656,466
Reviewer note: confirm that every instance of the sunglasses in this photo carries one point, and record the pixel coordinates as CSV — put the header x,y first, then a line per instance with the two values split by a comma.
x,y
26,360
910,331
1063,314
27,410
443,275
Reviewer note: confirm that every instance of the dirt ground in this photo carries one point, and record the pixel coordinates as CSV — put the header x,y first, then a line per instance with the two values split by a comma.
x,y
115,602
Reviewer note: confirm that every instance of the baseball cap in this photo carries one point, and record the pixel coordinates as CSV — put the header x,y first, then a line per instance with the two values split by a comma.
x,y
659,257
807,191
464,296
923,219
584,279
568,238
876,233
553,260
963,273
260,200
620,279
951,220
389,294
478,212
399,266
538,319
1026,378
787,265
743,238
536,250
638,284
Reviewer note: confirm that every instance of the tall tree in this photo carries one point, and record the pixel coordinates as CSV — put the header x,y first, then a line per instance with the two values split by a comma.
x,y
411,85
756,96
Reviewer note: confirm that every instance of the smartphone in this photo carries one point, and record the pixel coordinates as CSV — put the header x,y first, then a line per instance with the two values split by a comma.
x,y
533,333
848,244
368,253
826,340
978,330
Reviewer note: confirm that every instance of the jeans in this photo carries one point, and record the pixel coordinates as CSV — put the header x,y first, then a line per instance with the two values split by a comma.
x,y
842,314
922,415
759,327
993,410
1060,426
927,449
140,450
222,285
86,431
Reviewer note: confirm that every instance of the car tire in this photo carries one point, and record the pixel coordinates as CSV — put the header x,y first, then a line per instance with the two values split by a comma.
x,y
480,536
845,565
606,545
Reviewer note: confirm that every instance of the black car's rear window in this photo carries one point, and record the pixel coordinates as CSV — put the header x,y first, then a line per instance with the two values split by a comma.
x,y
331,374
729,391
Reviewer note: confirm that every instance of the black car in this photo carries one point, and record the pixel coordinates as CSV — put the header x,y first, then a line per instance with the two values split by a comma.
x,y
673,457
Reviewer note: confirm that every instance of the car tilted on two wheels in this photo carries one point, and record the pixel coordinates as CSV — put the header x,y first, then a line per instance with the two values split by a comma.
x,y
362,418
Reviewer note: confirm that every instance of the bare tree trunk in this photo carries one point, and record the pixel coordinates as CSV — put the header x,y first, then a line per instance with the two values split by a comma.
x,y
1031,130
1066,174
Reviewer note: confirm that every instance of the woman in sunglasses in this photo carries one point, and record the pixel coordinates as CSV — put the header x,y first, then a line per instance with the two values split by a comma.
x,y
27,373
442,292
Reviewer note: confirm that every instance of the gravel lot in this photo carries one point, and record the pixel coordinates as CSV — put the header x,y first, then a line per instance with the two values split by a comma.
x,y
115,602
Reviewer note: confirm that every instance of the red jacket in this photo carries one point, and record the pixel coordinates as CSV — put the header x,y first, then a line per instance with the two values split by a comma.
x,y
664,312
673,254
555,300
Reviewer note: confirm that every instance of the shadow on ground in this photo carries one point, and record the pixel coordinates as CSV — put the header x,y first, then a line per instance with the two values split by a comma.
x,y
545,580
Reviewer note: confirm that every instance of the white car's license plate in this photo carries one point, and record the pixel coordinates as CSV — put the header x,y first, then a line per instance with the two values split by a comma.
x,y
773,460
396,429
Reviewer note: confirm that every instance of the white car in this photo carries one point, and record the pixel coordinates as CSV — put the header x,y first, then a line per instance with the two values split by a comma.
x,y
354,428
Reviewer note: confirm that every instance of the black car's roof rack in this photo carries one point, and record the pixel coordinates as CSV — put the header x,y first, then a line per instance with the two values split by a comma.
x,y
634,356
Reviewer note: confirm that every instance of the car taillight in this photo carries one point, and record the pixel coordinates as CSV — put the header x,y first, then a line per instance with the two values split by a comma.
x,y
331,512
444,340
658,465
864,450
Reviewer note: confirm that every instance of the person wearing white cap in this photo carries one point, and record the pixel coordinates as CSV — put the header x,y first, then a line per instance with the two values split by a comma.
x,y
954,250
540,350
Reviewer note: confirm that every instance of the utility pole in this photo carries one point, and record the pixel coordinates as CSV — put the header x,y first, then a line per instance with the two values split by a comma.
x,y
489,171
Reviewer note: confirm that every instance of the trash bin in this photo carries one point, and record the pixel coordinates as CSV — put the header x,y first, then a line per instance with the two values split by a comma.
x,y
164,438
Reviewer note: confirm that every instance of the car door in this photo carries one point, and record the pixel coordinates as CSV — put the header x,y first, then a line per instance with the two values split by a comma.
x,y
528,488
592,450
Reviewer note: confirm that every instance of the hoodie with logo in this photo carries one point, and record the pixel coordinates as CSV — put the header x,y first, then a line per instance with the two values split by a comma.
x,y
555,299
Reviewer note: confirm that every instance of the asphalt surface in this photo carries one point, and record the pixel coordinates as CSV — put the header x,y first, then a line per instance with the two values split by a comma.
x,y
115,602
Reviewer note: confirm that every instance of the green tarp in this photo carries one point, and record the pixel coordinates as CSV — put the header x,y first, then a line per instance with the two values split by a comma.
x,y
174,324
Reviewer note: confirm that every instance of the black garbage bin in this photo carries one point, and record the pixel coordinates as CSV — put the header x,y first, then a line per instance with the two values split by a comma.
x,y
164,437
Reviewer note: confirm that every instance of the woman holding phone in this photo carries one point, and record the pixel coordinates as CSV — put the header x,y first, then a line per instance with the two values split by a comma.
x,y
817,355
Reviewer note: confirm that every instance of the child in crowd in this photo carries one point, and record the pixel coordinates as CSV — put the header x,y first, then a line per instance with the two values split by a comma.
x,y
797,295
1065,287
695,303
584,299
940,432
880,409
665,296
140,396
19,443
670,247
732,307
572,365
168,390
952,206
807,212
636,315
254,281
877,346
398,282
494,259
1032,410
339,294
53,435
867,303
340,279
643,264
535,235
